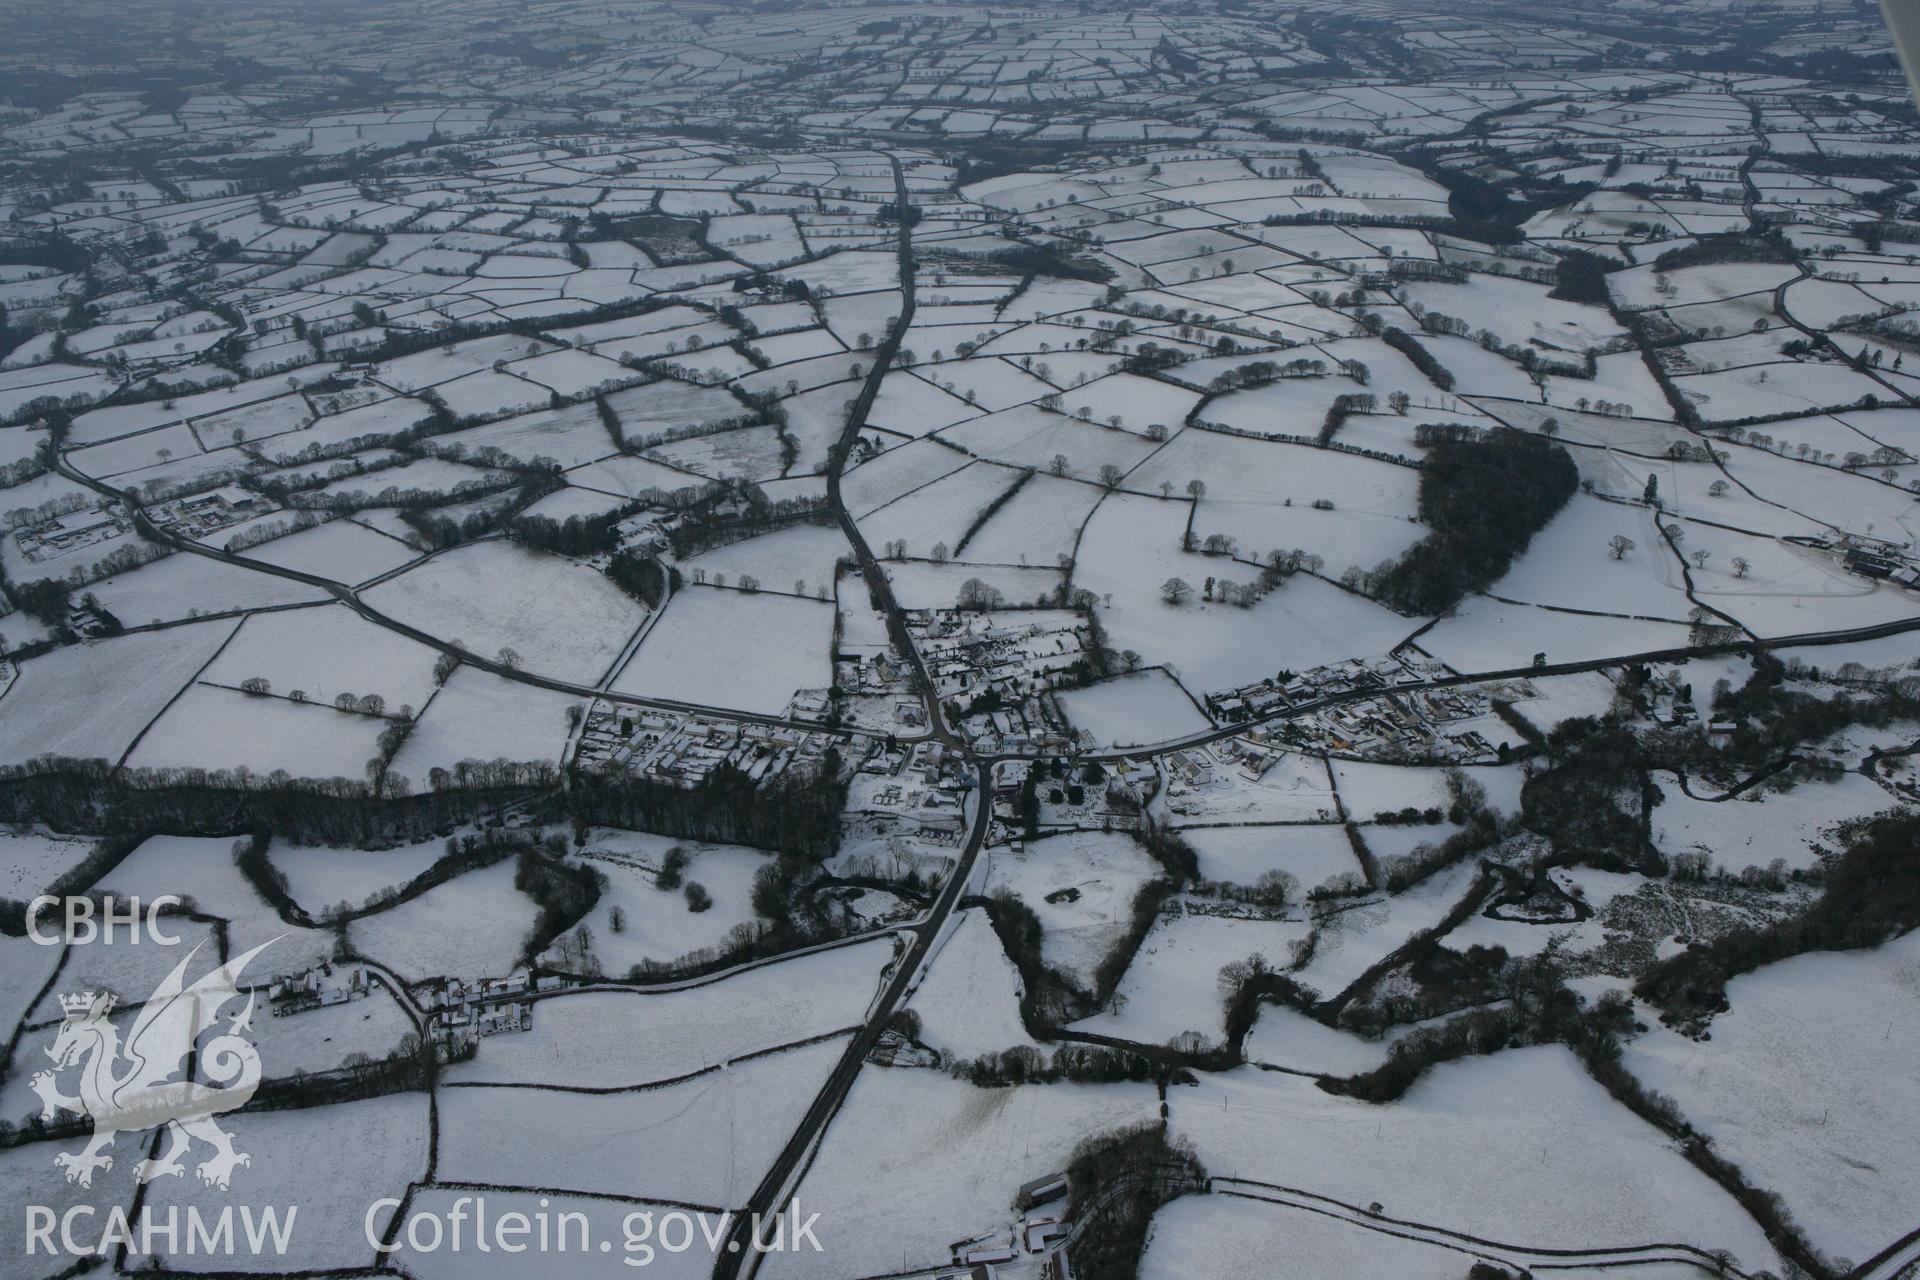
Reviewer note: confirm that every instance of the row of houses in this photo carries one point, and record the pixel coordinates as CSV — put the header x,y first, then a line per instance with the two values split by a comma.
x,y
968,654
684,750
462,1011
1265,697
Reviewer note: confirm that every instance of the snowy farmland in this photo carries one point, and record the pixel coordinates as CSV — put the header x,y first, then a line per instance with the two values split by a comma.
x,y
830,608
746,651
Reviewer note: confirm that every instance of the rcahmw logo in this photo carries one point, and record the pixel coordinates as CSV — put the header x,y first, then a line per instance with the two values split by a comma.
x,y
182,1062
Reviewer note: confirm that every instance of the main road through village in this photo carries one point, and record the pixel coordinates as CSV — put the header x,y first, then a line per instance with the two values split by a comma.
x,y
771,1196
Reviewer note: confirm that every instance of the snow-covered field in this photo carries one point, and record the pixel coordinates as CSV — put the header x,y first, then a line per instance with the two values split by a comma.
x,y
749,651
556,617
969,1004
1172,986
472,926
323,653
609,1039
1222,1235
216,728
92,703
332,1162
655,924
1521,1147
202,869
1803,1087
1081,885
1351,941
705,1141
1144,707
1754,829
184,585
478,715
1311,854
1132,545
31,860
917,1161
320,878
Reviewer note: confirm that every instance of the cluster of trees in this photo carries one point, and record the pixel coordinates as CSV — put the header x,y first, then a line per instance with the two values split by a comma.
x,y
577,535
1872,893
798,812
1578,800
1494,212
1258,373
91,796
730,510
1080,1063
1408,817
1119,1181
977,595
1482,498
1770,716
1477,1031
1051,260
266,531
1540,1010
498,774
1479,829
1737,246
565,893
1273,889
441,529
641,576
1582,277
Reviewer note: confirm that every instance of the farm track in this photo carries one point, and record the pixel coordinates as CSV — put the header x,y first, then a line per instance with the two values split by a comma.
x,y
1519,1257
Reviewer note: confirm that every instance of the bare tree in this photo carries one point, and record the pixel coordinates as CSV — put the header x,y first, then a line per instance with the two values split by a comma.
x,y
1619,544
979,596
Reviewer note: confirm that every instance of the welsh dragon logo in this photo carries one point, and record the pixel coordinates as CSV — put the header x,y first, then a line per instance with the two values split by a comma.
x,y
162,1075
